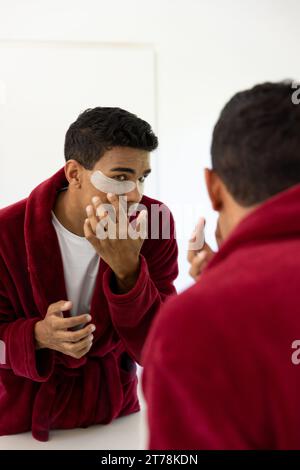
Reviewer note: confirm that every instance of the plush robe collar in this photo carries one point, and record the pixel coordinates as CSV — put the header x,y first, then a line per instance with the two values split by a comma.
x,y
277,218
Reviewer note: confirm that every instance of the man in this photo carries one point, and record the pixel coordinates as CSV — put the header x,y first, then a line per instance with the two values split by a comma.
x,y
220,366
76,307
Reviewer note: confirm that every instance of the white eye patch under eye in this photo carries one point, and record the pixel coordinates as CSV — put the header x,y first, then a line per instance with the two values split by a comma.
x,y
109,185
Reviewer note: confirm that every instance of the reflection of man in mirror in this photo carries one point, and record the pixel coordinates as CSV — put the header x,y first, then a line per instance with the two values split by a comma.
x,y
75,308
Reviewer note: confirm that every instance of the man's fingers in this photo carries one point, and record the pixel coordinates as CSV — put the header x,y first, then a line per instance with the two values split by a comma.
x,y
99,206
114,201
88,231
96,200
191,255
196,240
120,205
141,224
82,352
206,249
75,336
58,307
65,323
198,232
73,348
198,264
90,234
199,261
92,217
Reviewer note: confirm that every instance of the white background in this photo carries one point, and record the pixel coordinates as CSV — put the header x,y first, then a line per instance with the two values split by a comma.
x,y
202,52
46,85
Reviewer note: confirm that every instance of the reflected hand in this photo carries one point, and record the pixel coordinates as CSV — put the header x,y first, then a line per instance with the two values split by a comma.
x,y
120,251
53,331
199,252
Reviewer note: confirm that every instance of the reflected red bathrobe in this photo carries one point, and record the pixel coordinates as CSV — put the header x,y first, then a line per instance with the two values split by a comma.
x,y
42,390
218,361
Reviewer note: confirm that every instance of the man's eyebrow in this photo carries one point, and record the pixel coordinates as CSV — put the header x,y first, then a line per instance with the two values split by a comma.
x,y
123,169
129,170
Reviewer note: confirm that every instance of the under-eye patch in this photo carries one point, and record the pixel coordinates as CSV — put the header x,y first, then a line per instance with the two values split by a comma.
x,y
109,185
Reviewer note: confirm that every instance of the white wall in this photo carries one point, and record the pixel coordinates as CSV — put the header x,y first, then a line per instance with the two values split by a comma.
x,y
46,85
206,50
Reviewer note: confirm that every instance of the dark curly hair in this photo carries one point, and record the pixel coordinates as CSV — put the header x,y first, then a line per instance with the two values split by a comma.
x,y
100,129
256,143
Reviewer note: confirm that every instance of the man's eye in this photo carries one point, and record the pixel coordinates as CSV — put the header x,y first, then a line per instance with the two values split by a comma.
x,y
121,178
125,178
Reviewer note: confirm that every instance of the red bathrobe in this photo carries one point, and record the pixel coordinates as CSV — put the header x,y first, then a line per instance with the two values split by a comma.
x,y
44,389
218,361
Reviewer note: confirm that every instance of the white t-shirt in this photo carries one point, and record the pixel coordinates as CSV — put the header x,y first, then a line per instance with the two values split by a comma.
x,y
81,263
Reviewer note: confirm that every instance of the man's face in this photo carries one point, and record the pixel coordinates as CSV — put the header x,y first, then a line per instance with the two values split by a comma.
x,y
119,164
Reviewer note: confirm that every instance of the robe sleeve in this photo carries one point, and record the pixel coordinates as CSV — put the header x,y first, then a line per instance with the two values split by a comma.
x,y
132,313
17,343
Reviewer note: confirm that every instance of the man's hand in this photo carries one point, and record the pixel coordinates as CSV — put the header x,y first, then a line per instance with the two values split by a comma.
x,y
121,253
199,256
53,331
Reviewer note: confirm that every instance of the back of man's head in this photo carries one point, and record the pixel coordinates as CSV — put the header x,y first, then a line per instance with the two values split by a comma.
x,y
256,143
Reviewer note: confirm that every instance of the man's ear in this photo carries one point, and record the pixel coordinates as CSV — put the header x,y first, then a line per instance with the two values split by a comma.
x,y
73,172
214,189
